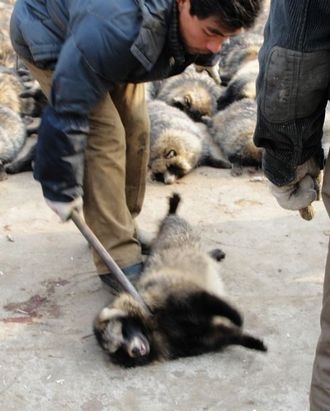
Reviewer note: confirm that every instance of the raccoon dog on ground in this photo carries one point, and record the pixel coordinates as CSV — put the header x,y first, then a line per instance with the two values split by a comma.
x,y
242,85
194,93
12,128
178,144
182,288
12,136
237,51
233,130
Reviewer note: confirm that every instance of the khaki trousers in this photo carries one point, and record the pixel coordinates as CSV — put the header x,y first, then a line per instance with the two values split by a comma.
x,y
320,386
116,162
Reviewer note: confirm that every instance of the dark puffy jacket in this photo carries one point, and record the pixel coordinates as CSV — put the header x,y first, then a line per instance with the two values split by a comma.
x,y
293,86
90,44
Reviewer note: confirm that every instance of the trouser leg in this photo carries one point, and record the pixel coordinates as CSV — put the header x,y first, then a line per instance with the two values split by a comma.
x,y
114,156
320,385
43,77
117,124
130,103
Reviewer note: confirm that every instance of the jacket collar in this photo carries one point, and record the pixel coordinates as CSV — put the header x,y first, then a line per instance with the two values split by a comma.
x,y
175,44
155,33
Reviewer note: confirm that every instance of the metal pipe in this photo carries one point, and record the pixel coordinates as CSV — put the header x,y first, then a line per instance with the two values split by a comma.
x,y
107,259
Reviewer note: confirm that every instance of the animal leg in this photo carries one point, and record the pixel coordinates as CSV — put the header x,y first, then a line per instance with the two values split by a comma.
x,y
217,254
3,174
203,304
233,336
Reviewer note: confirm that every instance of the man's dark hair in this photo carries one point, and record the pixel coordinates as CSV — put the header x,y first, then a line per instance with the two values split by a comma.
x,y
233,14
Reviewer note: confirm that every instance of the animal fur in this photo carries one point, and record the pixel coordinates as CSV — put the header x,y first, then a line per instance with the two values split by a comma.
x,y
190,313
7,53
242,85
237,51
24,160
178,144
12,137
193,92
12,128
30,100
10,89
233,130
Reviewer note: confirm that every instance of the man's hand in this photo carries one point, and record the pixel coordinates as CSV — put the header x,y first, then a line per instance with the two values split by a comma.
x,y
63,209
301,192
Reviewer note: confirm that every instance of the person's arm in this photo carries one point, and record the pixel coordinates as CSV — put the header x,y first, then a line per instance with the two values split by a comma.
x,y
78,84
292,93
63,131
59,155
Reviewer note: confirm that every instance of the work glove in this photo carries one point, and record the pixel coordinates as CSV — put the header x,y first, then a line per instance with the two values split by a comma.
x,y
302,191
212,71
65,209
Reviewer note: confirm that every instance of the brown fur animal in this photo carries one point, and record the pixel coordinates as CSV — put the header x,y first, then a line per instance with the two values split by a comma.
x,y
12,137
178,144
10,89
193,92
233,130
237,51
7,54
21,92
12,128
190,313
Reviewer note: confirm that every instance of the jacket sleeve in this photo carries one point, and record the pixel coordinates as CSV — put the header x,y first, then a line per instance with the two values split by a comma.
x,y
59,160
77,87
64,127
292,88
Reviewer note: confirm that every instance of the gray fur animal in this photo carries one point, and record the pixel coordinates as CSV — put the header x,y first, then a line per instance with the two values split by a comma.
x,y
193,92
242,85
178,144
31,101
237,51
12,128
7,54
10,89
190,313
233,130
12,137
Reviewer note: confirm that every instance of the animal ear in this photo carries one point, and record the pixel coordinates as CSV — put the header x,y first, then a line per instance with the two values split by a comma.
x,y
178,101
170,154
187,100
182,102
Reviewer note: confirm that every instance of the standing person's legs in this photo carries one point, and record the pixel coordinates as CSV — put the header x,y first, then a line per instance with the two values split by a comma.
x,y
320,386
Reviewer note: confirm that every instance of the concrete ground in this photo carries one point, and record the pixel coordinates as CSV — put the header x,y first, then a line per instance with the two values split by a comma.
x,y
273,271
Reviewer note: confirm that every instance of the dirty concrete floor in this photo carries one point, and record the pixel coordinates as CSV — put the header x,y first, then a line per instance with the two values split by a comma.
x,y
49,296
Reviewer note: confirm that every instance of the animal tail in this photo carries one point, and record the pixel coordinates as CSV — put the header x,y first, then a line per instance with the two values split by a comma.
x,y
174,203
248,341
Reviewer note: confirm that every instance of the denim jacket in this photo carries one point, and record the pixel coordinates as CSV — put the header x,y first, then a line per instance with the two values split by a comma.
x,y
90,45
293,86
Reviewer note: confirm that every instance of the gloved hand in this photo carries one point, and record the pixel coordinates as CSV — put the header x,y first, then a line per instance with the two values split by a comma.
x,y
63,209
301,192
212,71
